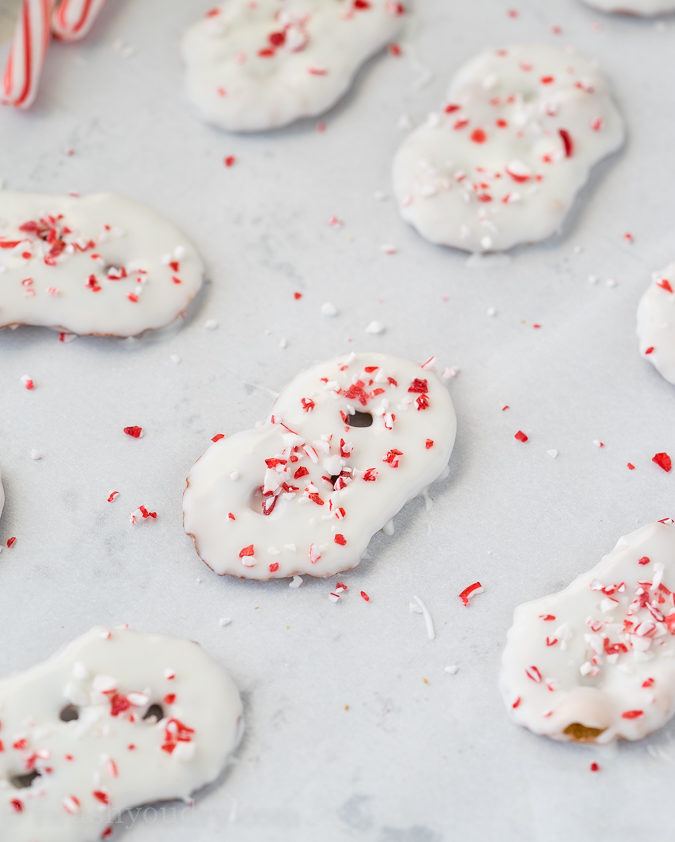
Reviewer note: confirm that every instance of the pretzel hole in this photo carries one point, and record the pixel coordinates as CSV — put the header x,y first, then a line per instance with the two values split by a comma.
x,y
69,713
155,712
582,733
360,419
118,271
24,781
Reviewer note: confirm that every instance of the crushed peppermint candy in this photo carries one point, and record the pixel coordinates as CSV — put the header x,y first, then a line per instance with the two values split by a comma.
x,y
469,592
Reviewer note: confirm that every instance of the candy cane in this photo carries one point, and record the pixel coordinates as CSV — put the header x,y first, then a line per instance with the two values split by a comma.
x,y
27,54
73,19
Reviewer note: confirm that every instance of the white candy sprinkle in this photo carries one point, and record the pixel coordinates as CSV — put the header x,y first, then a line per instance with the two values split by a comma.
x,y
375,328
452,669
552,453
104,683
328,309
224,621
428,622
211,324
35,455
295,582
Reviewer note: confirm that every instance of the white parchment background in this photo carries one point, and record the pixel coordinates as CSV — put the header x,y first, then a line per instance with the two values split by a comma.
x,y
408,761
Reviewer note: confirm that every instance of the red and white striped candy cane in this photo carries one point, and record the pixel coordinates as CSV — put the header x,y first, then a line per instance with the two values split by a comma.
x,y
74,18
27,54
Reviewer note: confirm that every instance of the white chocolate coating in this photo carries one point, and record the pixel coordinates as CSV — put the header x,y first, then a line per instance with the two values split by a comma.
x,y
327,486
503,160
110,758
600,653
633,7
656,323
256,66
55,254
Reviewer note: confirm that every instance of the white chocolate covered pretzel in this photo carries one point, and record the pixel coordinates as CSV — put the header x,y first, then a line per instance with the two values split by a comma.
x,y
116,719
255,66
98,264
596,661
348,443
656,323
503,160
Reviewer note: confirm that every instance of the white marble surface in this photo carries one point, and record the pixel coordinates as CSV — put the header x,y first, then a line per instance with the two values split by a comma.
x,y
409,761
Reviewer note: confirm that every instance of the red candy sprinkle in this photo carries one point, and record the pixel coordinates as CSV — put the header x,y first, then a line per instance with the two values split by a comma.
x,y
632,714
663,461
466,594
247,551
11,542
134,432
340,539
520,436
365,596
428,444
567,142
418,386
119,704
218,437
533,674
665,284
595,767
